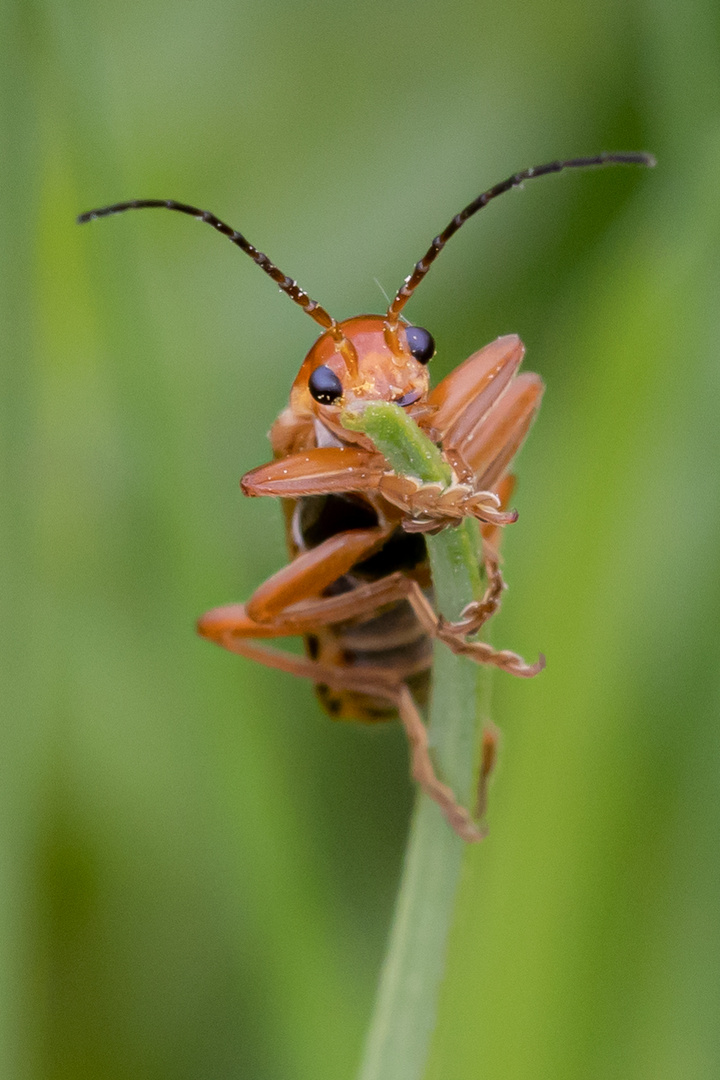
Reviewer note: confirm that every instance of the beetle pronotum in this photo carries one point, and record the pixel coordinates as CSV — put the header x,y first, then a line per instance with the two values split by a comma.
x,y
358,585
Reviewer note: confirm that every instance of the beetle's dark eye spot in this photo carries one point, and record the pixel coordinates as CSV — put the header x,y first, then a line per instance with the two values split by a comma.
x,y
324,385
420,343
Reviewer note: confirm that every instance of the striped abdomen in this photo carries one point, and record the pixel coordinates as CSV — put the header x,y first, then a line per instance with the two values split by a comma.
x,y
392,638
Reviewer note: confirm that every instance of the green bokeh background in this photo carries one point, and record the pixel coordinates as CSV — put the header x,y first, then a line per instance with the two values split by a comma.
x,y
198,867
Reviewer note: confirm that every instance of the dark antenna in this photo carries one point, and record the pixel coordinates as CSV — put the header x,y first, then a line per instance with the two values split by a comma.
x,y
421,268
285,283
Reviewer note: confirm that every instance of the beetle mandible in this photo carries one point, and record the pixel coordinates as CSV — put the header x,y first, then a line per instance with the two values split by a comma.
x,y
357,587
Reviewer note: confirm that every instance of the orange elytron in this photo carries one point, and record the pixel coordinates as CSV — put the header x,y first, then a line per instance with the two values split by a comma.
x,y
357,587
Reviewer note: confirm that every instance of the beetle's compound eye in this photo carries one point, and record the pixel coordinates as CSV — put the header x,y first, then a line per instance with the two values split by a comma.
x,y
324,385
420,343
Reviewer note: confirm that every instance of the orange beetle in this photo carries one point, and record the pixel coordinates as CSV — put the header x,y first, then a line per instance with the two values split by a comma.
x,y
358,585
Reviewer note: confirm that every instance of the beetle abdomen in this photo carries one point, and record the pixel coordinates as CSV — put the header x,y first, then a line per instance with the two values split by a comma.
x,y
390,638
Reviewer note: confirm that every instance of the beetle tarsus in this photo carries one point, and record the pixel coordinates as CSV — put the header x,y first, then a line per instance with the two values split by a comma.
x,y
475,614
423,772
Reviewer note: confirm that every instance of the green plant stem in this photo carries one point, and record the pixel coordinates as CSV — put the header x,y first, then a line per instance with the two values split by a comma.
x,y
405,1012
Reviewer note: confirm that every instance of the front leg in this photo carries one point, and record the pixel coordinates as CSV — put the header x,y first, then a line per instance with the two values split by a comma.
x,y
455,635
430,507
477,612
329,469
312,572
320,471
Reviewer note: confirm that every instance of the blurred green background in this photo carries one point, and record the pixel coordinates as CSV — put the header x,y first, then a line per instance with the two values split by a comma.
x,y
198,867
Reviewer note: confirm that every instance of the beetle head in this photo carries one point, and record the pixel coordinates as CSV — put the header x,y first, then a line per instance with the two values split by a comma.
x,y
372,362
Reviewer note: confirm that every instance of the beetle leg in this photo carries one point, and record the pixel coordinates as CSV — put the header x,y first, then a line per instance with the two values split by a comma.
x,y
490,743
423,771
360,602
231,627
475,614
455,637
233,623
484,653
319,471
307,615
313,571
234,630
431,506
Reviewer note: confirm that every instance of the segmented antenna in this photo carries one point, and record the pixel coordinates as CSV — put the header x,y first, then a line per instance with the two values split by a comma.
x,y
285,283
421,268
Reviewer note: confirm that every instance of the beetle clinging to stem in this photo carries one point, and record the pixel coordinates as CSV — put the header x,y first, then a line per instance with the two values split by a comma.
x,y
358,586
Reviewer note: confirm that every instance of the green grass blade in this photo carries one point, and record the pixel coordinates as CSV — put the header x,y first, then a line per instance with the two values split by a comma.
x,y
406,1006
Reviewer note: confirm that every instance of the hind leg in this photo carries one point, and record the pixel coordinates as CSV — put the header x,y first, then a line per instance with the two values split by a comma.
x,y
234,629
